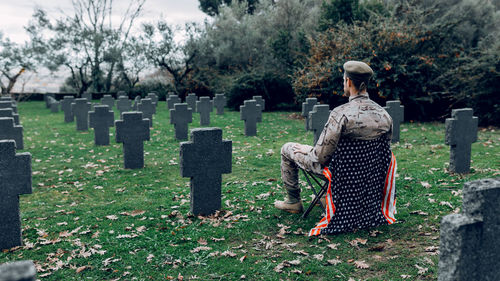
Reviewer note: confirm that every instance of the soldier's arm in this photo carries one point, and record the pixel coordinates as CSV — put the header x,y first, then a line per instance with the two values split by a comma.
x,y
329,138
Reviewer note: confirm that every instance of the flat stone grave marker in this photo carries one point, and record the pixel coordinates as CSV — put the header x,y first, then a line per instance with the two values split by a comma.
x,y
108,100
8,104
172,99
220,101
261,102
9,113
397,113
10,131
123,104
132,131
461,132
470,244
191,101
45,98
66,107
137,100
18,271
318,118
15,179
307,106
81,109
204,106
87,96
153,97
204,159
250,112
148,109
101,119
180,116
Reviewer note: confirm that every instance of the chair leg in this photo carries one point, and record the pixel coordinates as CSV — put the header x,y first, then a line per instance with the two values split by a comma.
x,y
317,195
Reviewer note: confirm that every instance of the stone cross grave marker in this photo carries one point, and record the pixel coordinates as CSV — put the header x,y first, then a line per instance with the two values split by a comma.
x,y
10,131
172,99
204,106
318,118
180,116
219,103
148,109
132,131
121,94
397,113
87,96
81,108
461,132
101,119
66,107
9,104
307,106
123,104
9,113
191,101
153,97
54,105
46,99
470,244
109,101
18,271
204,159
15,179
250,112
137,100
261,102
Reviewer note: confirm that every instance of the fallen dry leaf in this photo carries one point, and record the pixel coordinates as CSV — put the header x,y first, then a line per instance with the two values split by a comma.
x,y
81,268
334,261
333,246
201,248
112,217
361,264
421,270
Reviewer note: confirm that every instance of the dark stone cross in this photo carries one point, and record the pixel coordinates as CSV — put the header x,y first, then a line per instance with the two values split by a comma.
x,y
261,102
180,116
101,119
123,104
137,100
204,159
172,99
66,107
18,271
204,106
307,106
46,99
81,108
132,131
109,101
153,97
15,179
251,113
9,113
54,106
469,241
10,131
121,94
148,109
87,96
220,103
9,104
318,118
397,113
461,132
191,101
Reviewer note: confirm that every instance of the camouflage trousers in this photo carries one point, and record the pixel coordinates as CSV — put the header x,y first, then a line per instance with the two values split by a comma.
x,y
290,163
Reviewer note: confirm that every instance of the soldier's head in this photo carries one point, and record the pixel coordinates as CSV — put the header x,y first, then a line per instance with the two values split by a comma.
x,y
356,77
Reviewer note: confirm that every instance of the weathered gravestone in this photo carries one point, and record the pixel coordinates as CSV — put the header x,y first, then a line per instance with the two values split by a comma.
x,y
121,94
219,103
109,101
54,105
132,131
191,101
9,104
470,241
397,113
123,104
172,99
46,99
261,102
9,113
101,119
10,131
204,106
81,108
307,106
87,96
66,107
180,116
250,112
204,159
153,97
318,118
15,179
18,271
137,100
461,132
148,109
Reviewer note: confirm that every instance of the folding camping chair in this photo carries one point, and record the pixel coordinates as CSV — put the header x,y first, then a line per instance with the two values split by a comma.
x,y
322,188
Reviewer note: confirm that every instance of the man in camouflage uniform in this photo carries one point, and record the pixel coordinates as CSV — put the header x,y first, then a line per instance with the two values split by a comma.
x,y
360,118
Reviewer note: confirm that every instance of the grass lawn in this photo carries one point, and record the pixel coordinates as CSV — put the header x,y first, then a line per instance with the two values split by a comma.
x,y
90,219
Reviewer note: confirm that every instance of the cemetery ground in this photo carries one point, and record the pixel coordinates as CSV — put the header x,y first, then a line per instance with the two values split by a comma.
x,y
88,218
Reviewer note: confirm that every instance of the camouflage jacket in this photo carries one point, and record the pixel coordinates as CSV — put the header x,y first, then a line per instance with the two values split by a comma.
x,y
360,118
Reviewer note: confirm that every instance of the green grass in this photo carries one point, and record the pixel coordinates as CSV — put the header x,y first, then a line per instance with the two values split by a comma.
x,y
90,219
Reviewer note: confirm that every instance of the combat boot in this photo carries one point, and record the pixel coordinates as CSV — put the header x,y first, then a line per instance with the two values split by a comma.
x,y
294,208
